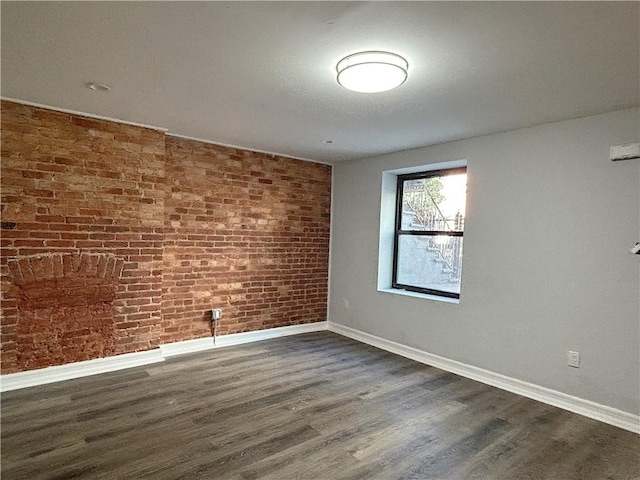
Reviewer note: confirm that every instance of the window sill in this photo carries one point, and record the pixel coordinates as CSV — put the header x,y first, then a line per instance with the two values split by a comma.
x,y
425,296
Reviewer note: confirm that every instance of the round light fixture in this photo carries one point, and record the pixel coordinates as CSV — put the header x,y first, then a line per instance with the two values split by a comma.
x,y
372,72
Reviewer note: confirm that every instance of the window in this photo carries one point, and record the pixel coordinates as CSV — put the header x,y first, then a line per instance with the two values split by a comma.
x,y
429,226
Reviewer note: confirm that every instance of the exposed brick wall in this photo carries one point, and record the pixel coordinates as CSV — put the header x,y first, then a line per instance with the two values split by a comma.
x,y
76,185
244,231
200,227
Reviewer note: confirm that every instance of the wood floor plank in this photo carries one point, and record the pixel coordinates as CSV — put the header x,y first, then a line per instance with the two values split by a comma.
x,y
313,406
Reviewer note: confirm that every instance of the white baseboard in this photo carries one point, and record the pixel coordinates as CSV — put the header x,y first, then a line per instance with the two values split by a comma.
x,y
247,337
199,344
31,378
186,346
603,413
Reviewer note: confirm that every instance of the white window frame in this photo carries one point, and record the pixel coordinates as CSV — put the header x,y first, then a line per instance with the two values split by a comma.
x,y
388,201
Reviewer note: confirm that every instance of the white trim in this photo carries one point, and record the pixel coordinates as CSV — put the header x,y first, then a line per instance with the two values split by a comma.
x,y
386,239
258,335
332,219
603,413
426,296
186,346
429,167
200,344
597,411
31,378
82,114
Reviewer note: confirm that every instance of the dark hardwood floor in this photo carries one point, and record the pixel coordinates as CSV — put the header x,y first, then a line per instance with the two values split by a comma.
x,y
314,406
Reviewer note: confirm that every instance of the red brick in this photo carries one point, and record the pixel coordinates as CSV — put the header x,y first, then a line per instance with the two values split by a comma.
x,y
47,266
16,273
58,267
57,244
196,226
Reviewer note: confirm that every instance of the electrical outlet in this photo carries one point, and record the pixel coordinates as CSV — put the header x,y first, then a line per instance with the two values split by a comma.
x,y
346,303
216,313
573,359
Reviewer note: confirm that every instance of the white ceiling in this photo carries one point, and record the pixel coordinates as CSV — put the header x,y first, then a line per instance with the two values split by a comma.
x,y
261,75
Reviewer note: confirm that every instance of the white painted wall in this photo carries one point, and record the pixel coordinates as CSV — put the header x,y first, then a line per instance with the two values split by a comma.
x,y
547,267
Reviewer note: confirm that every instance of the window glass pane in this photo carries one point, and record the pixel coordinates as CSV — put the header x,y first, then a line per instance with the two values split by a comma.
x,y
430,261
434,203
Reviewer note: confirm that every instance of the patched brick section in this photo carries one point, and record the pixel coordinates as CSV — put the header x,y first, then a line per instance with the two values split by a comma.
x,y
65,308
246,232
73,185
64,320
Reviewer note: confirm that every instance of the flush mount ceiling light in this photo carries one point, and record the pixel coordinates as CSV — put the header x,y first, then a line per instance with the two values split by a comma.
x,y
372,72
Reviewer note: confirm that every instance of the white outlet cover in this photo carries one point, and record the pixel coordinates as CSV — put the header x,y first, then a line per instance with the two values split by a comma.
x,y
573,359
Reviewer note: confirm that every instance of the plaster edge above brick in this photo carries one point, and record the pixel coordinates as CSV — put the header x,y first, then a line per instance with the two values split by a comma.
x,y
239,147
82,114
152,127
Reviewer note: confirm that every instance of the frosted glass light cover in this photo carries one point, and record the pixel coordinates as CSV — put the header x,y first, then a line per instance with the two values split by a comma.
x,y
372,72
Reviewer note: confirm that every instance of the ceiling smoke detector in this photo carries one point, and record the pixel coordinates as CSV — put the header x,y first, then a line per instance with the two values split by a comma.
x,y
372,72
97,87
